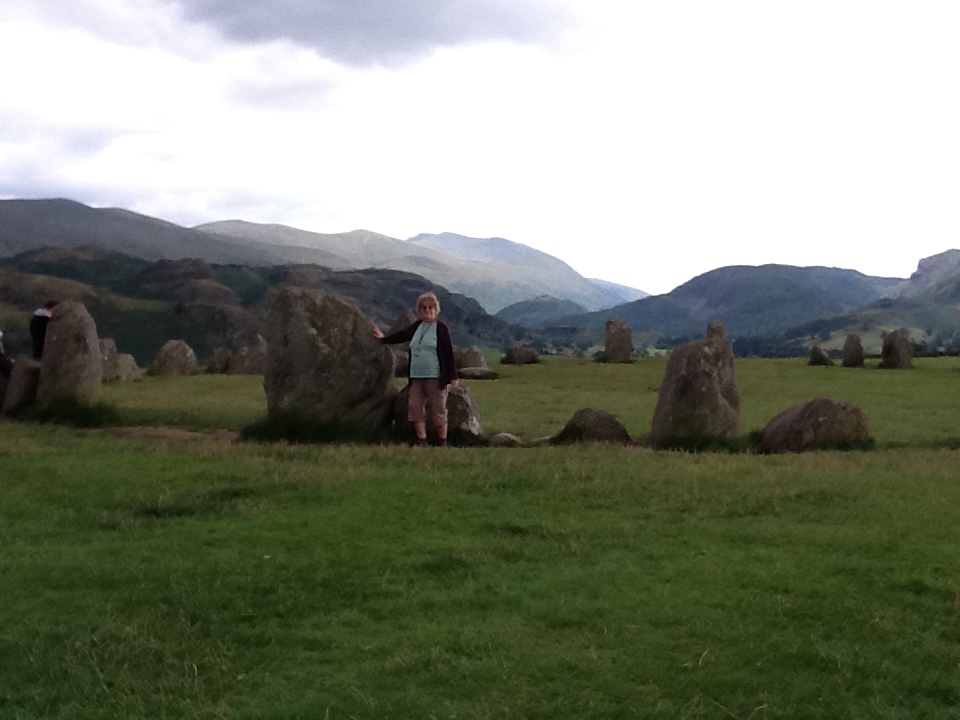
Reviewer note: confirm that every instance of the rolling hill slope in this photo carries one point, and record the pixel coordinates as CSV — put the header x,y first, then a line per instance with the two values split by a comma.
x,y
526,267
749,300
495,282
496,272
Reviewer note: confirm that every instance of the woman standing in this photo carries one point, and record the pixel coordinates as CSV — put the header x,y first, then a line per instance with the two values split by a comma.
x,y
433,368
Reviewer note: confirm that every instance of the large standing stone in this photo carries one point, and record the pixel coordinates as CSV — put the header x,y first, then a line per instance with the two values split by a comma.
x,y
590,425
116,366
852,351
71,368
818,358
324,364
22,386
518,354
174,358
897,352
618,345
699,399
817,423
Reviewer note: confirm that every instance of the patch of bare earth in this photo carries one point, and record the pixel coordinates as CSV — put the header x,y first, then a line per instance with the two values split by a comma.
x,y
175,433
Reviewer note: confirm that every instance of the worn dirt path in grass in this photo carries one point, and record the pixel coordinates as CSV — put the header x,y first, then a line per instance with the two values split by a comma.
x,y
175,433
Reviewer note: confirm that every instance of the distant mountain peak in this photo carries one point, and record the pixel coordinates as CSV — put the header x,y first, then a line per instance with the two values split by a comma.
x,y
934,275
535,268
482,249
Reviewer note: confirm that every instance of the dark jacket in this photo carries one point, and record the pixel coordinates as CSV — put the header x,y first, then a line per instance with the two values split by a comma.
x,y
448,363
38,333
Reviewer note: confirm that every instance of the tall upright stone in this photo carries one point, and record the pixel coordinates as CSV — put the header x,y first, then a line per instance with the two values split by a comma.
x,y
324,364
699,399
618,342
852,351
897,352
71,368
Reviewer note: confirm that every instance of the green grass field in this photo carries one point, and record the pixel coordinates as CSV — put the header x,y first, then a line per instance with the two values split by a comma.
x,y
187,576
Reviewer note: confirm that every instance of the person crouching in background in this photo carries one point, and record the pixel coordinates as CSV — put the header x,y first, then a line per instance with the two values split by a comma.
x,y
433,369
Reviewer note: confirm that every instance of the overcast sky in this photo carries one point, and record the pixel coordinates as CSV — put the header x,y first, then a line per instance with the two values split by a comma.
x,y
643,142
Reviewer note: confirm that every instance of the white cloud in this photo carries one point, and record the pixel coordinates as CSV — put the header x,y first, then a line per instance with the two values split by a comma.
x,y
657,141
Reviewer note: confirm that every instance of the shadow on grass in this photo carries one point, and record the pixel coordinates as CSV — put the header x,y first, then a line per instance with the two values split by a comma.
x,y
299,430
729,446
754,441
73,414
752,444
212,502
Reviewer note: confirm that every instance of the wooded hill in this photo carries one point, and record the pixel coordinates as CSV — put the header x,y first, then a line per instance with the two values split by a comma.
x,y
142,304
119,263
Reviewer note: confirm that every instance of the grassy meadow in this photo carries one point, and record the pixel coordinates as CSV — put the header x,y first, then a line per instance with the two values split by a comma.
x,y
182,575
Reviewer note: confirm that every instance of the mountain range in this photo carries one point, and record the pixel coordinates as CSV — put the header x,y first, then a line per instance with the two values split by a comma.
x,y
495,281
152,279
494,271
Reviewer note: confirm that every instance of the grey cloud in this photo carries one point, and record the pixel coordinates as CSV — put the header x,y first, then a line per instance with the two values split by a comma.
x,y
380,32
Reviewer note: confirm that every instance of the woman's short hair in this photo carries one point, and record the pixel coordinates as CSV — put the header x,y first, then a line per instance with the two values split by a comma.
x,y
428,298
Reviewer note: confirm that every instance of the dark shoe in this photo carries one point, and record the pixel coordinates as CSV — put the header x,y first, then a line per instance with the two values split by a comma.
x,y
421,442
441,443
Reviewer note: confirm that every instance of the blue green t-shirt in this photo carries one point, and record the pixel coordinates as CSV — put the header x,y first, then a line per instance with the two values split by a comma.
x,y
424,362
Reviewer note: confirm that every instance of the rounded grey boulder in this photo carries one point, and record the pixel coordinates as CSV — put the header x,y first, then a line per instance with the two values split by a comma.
x,y
817,423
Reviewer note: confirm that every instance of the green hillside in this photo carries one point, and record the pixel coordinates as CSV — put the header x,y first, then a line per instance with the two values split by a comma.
x,y
141,304
748,300
540,311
